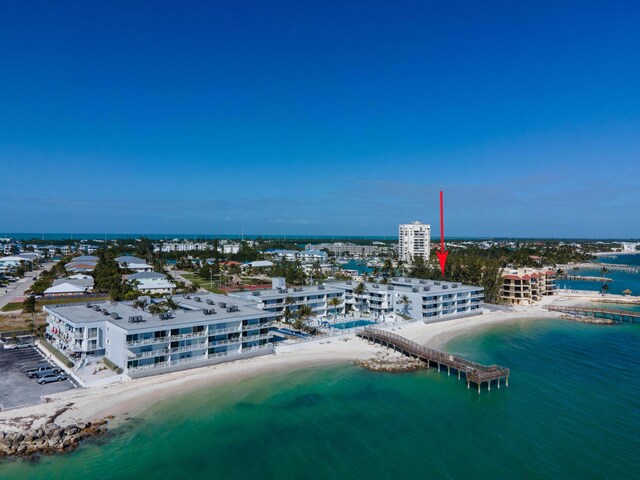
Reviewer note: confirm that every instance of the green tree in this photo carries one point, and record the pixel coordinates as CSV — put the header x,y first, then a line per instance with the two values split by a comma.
x,y
335,302
288,314
29,306
358,292
303,314
406,304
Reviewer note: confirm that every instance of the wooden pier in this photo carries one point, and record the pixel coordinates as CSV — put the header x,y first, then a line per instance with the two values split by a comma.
x,y
611,267
615,315
473,372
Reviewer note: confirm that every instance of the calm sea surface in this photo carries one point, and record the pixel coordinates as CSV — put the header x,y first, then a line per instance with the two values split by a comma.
x,y
621,280
572,410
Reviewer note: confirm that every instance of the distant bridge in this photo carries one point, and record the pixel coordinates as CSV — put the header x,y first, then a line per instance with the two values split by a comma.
x,y
473,372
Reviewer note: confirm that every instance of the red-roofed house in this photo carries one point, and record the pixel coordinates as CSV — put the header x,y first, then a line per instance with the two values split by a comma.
x,y
526,286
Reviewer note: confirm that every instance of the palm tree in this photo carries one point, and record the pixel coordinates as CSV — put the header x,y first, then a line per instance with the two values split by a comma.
x,y
605,288
335,303
303,313
358,291
287,308
387,268
603,271
401,266
171,303
406,304
141,304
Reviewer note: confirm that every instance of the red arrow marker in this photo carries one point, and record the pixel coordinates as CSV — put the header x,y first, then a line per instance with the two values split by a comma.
x,y
442,254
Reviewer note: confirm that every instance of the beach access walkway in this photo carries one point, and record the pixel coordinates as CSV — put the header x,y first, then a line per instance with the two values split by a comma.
x,y
474,372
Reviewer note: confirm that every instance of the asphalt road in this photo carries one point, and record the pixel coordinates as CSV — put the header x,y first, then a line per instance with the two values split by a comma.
x,y
17,289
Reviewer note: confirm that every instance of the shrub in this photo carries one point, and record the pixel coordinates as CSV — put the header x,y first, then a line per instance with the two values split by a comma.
x,y
112,365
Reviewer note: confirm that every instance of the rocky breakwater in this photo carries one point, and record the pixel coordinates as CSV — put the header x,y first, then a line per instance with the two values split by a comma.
x,y
581,319
391,362
48,439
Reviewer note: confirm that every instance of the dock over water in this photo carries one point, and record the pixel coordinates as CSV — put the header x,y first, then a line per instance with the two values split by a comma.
x,y
613,314
473,372
611,267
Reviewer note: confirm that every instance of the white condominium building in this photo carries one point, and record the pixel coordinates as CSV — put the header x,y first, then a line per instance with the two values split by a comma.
x,y
426,300
279,299
203,330
414,240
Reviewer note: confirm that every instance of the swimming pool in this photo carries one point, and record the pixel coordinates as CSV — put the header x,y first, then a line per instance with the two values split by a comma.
x,y
353,324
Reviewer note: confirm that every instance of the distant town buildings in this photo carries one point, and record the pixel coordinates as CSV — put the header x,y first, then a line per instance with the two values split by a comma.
x,y
227,247
73,286
133,263
525,286
82,264
414,240
352,249
151,282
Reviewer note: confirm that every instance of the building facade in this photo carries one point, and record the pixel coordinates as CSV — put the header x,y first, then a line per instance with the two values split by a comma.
x,y
414,240
279,300
203,330
151,282
352,250
426,300
526,286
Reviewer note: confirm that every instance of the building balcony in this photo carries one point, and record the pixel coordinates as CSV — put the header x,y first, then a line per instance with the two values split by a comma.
x,y
198,359
170,338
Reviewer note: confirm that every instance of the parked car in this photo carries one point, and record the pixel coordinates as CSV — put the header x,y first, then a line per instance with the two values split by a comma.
x,y
42,369
15,346
51,377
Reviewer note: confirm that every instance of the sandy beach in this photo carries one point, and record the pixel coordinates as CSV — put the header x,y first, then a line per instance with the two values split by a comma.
x,y
130,397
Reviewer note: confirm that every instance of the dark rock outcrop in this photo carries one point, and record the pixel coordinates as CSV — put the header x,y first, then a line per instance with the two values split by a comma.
x,y
48,439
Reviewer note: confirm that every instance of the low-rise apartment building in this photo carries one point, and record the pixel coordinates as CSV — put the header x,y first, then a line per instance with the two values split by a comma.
x,y
281,298
351,249
525,286
151,282
203,330
427,300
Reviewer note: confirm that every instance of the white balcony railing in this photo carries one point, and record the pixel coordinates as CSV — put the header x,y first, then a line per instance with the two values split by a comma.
x,y
198,359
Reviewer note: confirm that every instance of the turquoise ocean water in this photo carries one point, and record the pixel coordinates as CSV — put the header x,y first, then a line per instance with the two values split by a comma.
x,y
621,280
572,410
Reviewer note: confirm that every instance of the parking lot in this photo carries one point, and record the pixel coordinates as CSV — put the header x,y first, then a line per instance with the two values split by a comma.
x,y
18,390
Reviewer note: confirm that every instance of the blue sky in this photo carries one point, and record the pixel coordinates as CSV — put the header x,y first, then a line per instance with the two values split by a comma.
x,y
329,118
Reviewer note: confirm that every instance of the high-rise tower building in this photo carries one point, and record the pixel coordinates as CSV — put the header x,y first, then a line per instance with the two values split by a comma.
x,y
414,240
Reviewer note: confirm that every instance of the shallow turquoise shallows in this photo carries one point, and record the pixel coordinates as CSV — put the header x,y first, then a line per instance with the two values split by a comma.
x,y
571,411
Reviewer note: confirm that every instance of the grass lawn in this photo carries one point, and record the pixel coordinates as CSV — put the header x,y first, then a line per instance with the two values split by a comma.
x,y
12,307
72,300
196,280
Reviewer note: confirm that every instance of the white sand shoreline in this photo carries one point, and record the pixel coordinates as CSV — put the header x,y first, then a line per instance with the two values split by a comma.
x,y
131,397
